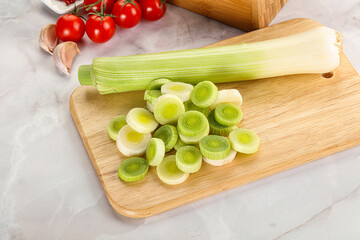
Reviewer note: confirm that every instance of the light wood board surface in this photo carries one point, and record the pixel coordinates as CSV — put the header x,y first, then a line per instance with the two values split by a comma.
x,y
299,118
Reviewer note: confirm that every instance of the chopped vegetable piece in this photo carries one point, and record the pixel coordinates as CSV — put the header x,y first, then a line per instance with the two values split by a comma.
x,y
155,151
215,147
180,89
189,106
192,123
228,114
142,120
115,125
149,106
228,95
244,141
193,126
169,135
217,128
204,94
64,54
180,144
313,51
169,173
126,13
152,10
188,159
223,161
133,169
132,143
157,83
168,109
194,139
152,95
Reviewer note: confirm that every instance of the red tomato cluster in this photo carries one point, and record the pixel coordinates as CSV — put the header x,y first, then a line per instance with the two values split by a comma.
x,y
103,14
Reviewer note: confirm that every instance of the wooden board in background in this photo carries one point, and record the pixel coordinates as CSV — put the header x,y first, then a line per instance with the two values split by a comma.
x,y
299,118
244,14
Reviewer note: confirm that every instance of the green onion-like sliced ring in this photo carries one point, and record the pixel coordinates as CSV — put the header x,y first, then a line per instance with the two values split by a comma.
x,y
169,173
217,128
190,106
222,162
168,109
244,141
115,125
194,139
228,114
180,89
214,147
149,107
228,95
133,169
141,120
132,143
180,143
157,83
192,123
189,159
155,151
152,95
204,94
169,135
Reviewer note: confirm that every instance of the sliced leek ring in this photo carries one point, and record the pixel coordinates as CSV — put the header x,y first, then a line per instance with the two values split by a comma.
x,y
169,173
142,120
132,143
152,95
215,147
168,108
228,114
155,151
194,139
157,83
115,125
204,94
222,162
190,106
244,141
149,106
180,89
189,159
133,169
192,123
228,96
169,135
217,128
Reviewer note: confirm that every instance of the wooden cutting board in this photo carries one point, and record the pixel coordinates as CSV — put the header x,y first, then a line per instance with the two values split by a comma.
x,y
298,118
244,14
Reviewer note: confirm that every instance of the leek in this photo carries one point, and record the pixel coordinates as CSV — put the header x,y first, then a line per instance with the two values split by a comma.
x,y
313,51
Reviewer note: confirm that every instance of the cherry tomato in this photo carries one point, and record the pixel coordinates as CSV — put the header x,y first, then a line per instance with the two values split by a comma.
x,y
100,31
127,13
108,3
70,28
152,10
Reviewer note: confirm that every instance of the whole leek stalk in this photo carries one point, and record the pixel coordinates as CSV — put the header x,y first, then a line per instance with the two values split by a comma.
x,y
313,51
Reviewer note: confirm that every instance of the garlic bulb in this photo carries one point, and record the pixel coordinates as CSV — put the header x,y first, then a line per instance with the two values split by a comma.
x,y
48,38
64,55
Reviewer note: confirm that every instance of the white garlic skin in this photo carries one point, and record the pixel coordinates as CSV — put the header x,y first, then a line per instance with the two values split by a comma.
x,y
48,39
64,55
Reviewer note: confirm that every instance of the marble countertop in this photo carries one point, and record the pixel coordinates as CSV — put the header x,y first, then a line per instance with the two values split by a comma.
x,y
49,189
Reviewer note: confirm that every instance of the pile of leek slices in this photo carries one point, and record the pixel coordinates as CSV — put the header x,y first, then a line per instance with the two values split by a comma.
x,y
199,122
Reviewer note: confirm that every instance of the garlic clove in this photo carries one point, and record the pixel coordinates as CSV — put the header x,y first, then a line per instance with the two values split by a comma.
x,y
48,38
64,55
